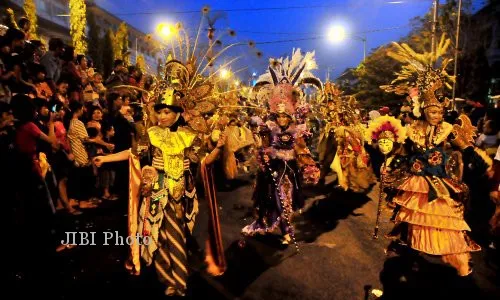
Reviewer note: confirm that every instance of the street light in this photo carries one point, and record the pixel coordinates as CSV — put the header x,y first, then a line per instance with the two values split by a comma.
x,y
164,30
336,34
363,39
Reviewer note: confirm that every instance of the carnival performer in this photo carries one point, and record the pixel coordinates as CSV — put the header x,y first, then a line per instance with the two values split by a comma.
x,y
285,161
163,203
239,140
327,145
352,162
169,201
430,194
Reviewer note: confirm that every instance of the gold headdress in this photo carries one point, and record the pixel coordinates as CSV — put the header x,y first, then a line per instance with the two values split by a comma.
x,y
279,87
425,72
331,91
186,84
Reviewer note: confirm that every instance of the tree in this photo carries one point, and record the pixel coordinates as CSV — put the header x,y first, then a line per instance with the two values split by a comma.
x,y
125,44
94,41
378,69
107,53
140,63
78,23
120,43
476,75
30,10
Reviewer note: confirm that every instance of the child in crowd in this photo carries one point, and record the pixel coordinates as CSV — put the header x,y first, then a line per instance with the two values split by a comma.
x,y
488,140
106,175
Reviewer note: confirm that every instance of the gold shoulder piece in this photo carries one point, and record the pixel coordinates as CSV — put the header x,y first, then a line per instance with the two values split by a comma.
x,y
187,135
465,130
446,129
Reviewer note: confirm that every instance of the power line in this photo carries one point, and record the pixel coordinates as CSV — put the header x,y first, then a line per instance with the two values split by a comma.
x,y
290,40
312,33
323,36
273,32
228,10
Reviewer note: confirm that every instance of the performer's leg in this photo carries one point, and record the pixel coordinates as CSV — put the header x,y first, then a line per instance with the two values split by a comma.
x,y
171,260
460,262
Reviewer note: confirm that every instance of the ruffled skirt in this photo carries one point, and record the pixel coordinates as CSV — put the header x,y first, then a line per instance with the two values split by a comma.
x,y
436,227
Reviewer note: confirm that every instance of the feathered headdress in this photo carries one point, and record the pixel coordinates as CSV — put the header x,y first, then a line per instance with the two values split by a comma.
x,y
181,87
280,86
386,127
185,82
425,72
331,91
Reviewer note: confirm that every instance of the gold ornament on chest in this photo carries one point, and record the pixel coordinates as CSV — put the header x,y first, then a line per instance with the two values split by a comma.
x,y
174,166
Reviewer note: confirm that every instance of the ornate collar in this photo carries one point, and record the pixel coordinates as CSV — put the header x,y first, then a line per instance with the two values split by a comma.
x,y
418,132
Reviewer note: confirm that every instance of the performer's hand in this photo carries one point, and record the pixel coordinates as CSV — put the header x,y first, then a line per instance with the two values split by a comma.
x,y
71,157
98,161
110,147
187,164
490,172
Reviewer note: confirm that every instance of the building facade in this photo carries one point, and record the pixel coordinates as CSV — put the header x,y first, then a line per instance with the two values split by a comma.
x,y
53,21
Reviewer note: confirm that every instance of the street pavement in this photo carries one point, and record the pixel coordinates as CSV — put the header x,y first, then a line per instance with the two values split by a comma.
x,y
337,257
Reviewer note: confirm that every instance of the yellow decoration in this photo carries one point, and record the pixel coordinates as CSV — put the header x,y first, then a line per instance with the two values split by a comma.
x,y
140,63
12,18
172,146
78,23
120,43
30,10
465,131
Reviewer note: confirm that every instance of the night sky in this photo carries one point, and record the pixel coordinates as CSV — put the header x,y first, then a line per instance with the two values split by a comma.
x,y
357,16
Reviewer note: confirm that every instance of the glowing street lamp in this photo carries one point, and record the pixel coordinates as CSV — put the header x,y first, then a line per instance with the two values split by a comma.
x,y
165,30
336,33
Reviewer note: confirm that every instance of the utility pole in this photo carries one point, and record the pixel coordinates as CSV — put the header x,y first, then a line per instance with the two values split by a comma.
x,y
457,36
435,4
364,49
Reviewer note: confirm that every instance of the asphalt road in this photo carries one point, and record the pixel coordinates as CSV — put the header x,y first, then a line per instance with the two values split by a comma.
x,y
337,258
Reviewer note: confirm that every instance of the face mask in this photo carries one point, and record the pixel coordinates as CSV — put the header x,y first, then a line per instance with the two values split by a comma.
x,y
385,146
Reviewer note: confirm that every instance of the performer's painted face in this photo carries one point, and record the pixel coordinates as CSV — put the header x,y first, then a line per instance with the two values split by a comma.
x,y
283,120
434,115
167,117
385,146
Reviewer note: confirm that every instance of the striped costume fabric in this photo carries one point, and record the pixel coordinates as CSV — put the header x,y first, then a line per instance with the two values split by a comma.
x,y
171,258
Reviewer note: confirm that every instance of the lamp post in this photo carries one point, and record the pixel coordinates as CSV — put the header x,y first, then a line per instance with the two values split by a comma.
x,y
435,4
337,34
363,39
457,35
